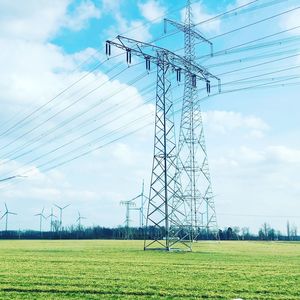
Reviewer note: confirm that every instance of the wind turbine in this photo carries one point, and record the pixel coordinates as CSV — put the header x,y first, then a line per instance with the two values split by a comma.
x,y
60,214
79,220
7,212
51,216
41,215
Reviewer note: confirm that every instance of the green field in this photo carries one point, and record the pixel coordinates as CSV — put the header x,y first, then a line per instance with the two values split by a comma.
x,y
121,270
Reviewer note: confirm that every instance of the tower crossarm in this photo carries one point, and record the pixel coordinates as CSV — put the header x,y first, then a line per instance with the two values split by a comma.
x,y
145,50
190,30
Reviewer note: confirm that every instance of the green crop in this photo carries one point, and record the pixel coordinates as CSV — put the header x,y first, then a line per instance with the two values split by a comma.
x,y
121,270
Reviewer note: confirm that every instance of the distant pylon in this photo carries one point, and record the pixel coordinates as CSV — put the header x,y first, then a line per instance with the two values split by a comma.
x,y
193,175
128,204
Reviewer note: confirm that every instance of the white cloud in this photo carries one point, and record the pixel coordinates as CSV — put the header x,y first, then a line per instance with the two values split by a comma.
x,y
225,122
33,20
152,10
283,154
82,14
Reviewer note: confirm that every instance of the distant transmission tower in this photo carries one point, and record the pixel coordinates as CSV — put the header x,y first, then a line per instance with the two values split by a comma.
x,y
129,206
167,225
193,175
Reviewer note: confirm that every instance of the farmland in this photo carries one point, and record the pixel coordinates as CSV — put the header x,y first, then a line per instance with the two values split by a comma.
x,y
121,270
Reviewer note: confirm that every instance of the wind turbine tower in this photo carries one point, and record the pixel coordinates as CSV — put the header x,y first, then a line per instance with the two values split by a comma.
x,y
51,216
41,215
78,221
61,214
5,215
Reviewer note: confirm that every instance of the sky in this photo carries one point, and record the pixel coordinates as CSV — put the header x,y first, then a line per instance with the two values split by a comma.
x,y
53,52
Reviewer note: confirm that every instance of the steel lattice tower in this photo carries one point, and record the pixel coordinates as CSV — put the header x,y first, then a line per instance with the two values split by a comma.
x,y
168,225
193,170
165,214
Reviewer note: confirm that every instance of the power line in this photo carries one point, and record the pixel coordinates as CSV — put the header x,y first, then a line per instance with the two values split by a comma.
x,y
228,50
144,126
219,16
111,109
51,100
248,25
259,64
64,109
93,130
81,78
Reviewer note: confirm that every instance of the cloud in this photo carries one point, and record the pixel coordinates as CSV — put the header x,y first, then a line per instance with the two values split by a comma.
x,y
82,14
31,20
41,20
225,122
152,10
283,154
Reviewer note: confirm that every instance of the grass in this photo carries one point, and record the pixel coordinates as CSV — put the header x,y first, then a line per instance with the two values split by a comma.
x,y
121,270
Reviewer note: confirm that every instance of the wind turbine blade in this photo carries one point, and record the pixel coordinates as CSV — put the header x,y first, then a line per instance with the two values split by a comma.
x,y
6,206
58,206
66,206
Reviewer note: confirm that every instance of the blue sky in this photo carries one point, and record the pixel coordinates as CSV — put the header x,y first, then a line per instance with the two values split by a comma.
x,y
252,136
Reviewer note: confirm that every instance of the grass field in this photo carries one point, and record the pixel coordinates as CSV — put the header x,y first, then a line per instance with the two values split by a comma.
x,y
121,270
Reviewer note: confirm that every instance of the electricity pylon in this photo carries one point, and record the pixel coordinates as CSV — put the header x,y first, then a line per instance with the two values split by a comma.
x,y
129,204
193,175
167,227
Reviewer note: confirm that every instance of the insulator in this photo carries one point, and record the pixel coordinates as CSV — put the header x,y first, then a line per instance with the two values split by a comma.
x,y
108,48
208,87
194,80
147,63
165,26
128,56
178,74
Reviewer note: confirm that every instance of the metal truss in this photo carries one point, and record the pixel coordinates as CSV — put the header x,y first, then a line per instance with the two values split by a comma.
x,y
171,208
193,175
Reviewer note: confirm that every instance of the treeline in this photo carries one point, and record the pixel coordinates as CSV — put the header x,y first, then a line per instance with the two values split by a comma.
x,y
265,233
97,232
